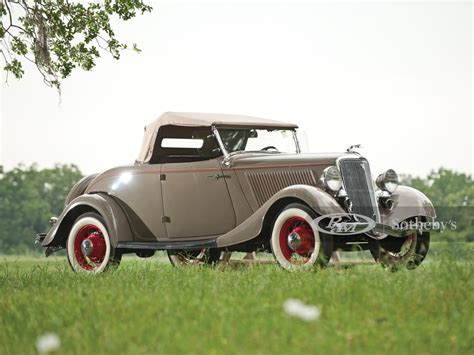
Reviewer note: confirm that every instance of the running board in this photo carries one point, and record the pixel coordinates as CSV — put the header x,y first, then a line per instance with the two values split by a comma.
x,y
188,245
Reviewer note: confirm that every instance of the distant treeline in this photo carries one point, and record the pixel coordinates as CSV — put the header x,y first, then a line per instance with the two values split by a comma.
x,y
452,194
30,196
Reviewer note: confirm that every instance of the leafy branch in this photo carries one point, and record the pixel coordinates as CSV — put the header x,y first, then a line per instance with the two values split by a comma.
x,y
59,36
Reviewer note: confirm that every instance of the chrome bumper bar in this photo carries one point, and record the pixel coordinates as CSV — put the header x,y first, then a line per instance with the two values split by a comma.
x,y
395,232
379,231
39,238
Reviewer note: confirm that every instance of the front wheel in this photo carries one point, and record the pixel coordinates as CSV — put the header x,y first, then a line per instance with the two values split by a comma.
x,y
295,242
408,252
88,246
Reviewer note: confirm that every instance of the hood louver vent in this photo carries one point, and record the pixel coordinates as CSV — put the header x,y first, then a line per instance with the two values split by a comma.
x,y
265,184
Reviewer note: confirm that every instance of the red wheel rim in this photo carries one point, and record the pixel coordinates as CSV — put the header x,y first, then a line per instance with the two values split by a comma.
x,y
406,248
303,230
94,235
407,244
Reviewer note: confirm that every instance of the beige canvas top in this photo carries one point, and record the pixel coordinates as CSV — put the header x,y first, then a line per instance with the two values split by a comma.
x,y
191,119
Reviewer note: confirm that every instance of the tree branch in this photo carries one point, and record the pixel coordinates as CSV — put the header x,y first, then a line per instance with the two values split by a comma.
x,y
9,12
6,61
58,36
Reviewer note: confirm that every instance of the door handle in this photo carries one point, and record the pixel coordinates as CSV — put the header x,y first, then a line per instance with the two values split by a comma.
x,y
219,176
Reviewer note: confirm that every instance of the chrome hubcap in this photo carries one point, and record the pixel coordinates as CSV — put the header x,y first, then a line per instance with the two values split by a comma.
x,y
294,240
87,247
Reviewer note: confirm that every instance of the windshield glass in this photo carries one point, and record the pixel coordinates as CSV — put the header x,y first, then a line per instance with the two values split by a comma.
x,y
258,140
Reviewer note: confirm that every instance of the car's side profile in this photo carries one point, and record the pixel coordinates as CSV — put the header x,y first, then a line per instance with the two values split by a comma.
x,y
208,183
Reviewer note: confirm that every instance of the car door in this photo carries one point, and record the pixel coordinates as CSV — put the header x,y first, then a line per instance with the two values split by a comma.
x,y
196,200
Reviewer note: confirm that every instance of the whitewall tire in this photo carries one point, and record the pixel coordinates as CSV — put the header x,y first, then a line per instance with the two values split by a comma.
x,y
295,242
88,246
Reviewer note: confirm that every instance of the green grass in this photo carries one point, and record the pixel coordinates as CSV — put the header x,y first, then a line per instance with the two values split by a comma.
x,y
147,306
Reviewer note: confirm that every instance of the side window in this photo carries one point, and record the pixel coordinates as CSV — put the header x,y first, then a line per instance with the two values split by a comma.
x,y
177,144
184,143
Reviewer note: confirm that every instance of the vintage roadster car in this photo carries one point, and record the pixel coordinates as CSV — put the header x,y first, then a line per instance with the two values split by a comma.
x,y
204,184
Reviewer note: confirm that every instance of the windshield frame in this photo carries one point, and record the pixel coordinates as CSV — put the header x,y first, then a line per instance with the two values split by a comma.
x,y
228,155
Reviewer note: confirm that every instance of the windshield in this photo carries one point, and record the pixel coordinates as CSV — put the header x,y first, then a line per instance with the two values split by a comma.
x,y
258,140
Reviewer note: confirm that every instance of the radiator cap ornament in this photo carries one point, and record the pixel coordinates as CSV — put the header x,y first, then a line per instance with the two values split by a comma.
x,y
352,147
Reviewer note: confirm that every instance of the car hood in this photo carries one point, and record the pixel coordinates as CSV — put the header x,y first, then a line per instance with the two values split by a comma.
x,y
263,175
256,160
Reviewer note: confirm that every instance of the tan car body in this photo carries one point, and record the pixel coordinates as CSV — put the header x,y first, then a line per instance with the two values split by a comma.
x,y
212,203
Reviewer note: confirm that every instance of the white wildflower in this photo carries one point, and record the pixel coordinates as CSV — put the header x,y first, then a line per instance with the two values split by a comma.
x,y
296,308
47,342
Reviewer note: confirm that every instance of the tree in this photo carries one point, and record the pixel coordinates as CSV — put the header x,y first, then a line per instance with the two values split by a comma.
x,y
452,194
28,198
61,35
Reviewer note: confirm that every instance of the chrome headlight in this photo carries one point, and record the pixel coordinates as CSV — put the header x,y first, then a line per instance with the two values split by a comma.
x,y
388,181
331,178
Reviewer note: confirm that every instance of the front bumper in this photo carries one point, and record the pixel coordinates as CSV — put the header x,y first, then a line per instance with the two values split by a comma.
x,y
39,238
376,230
393,231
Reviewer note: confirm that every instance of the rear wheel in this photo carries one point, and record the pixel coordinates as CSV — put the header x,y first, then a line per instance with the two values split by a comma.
x,y
193,257
88,247
296,243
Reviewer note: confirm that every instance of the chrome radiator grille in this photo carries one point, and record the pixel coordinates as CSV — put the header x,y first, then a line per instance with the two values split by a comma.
x,y
358,185
266,184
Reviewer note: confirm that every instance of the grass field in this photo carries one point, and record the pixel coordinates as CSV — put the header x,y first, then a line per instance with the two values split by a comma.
x,y
147,306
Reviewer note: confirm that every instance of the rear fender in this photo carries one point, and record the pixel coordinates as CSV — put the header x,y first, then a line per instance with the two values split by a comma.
x,y
79,188
320,201
115,219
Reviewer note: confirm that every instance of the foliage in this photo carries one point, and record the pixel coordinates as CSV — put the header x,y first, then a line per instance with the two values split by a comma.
x,y
60,35
445,187
148,307
28,198
452,194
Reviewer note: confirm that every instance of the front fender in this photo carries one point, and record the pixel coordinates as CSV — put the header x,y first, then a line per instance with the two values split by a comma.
x,y
115,219
408,202
320,201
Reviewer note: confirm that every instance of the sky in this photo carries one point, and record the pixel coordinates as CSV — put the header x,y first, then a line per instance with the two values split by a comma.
x,y
393,77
